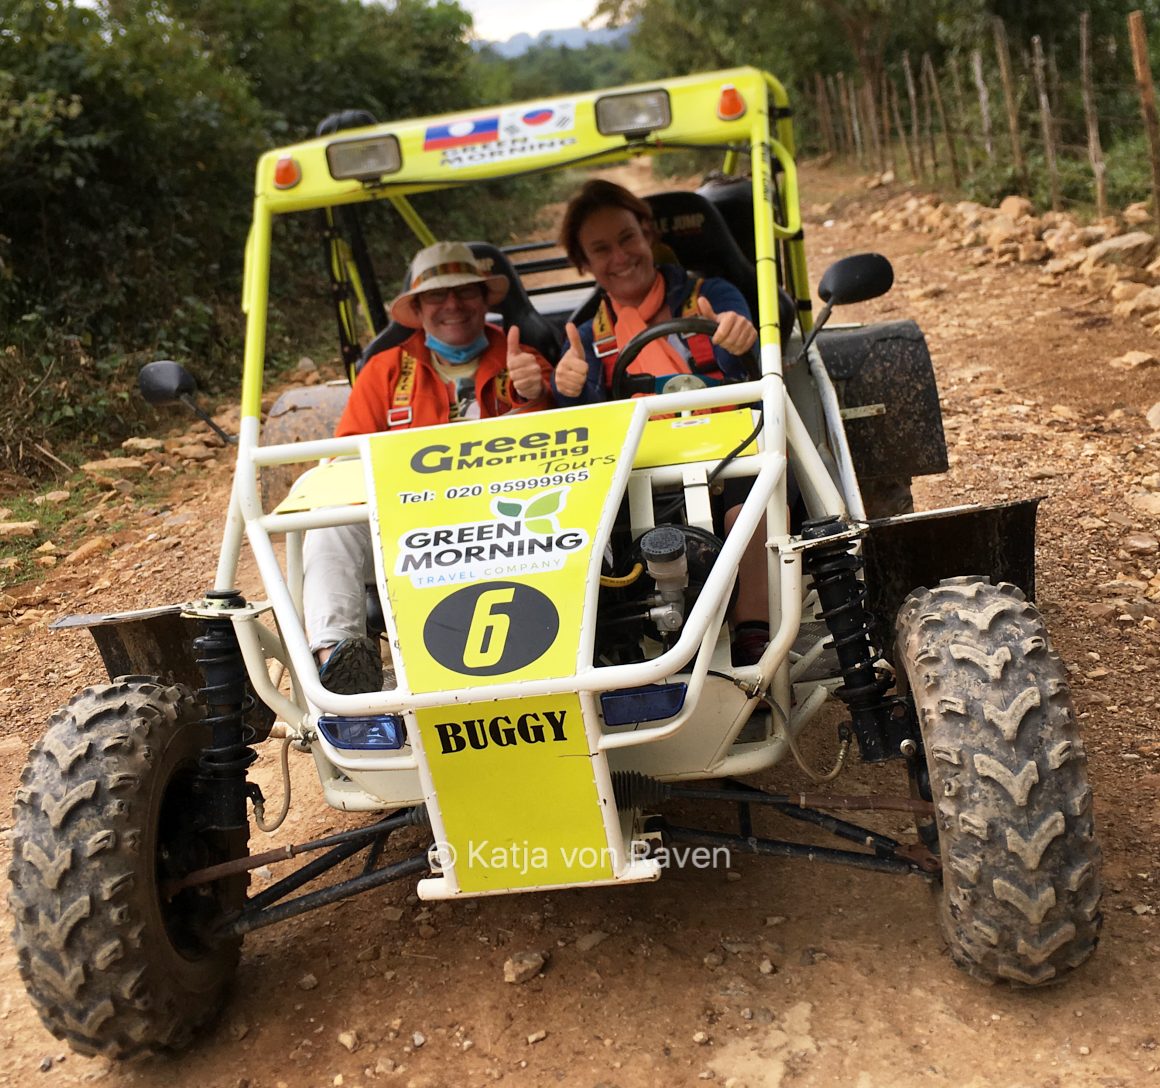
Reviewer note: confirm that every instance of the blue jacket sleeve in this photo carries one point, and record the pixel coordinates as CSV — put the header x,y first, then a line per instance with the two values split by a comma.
x,y
593,391
725,298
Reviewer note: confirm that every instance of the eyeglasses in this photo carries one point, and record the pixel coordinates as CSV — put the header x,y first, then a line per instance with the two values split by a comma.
x,y
468,292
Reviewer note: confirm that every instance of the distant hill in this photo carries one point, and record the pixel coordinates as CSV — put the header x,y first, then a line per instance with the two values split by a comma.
x,y
574,37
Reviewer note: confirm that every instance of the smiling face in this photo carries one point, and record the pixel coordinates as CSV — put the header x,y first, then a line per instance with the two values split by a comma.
x,y
618,253
456,316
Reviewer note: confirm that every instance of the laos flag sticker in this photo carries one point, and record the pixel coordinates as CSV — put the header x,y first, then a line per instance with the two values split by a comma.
x,y
479,130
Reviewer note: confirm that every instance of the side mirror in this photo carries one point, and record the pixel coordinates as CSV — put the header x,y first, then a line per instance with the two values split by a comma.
x,y
165,382
852,279
856,279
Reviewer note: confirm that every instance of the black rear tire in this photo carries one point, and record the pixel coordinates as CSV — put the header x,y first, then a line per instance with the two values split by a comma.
x,y
1008,774
105,813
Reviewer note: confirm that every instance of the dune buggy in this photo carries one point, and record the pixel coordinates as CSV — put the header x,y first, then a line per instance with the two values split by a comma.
x,y
554,602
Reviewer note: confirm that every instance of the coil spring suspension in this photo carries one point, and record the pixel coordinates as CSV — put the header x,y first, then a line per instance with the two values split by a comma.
x,y
880,724
224,761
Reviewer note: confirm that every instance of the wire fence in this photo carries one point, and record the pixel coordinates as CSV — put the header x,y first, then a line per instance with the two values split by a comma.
x,y
994,119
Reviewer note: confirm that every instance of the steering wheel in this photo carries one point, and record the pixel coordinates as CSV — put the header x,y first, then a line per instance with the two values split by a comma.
x,y
625,385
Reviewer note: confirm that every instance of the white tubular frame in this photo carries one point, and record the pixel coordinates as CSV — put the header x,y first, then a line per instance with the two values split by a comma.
x,y
698,635
763,511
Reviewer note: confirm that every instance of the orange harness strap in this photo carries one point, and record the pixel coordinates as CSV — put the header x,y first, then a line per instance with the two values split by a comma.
x,y
401,413
699,344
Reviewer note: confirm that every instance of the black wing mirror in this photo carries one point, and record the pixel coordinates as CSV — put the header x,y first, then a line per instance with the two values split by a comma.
x,y
852,279
856,279
166,382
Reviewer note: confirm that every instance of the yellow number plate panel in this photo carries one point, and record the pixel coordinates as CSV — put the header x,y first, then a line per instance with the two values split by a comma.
x,y
485,530
516,793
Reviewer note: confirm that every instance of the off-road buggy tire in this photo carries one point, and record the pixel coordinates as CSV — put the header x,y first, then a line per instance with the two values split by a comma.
x,y
1020,891
104,812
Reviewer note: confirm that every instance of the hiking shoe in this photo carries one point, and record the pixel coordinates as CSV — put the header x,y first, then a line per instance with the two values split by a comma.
x,y
354,666
749,642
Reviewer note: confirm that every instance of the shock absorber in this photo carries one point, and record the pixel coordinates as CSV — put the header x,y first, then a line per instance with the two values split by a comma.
x,y
880,723
224,761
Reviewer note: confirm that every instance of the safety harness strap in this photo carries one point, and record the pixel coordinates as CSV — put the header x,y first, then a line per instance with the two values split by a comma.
x,y
401,413
698,344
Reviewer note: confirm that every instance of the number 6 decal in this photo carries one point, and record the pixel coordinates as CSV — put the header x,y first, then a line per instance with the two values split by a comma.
x,y
488,633
471,632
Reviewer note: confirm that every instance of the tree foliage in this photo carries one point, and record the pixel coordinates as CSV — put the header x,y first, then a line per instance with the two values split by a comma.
x,y
129,131
796,38
551,69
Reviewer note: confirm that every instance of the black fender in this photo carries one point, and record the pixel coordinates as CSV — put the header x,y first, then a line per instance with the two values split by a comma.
x,y
903,553
889,398
156,642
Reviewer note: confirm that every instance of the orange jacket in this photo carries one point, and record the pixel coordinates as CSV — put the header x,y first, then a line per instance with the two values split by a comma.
x,y
377,403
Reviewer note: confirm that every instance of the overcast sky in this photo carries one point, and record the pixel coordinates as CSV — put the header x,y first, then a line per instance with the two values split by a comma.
x,y
498,20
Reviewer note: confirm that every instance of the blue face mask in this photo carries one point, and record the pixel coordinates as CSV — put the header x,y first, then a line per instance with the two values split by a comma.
x,y
456,356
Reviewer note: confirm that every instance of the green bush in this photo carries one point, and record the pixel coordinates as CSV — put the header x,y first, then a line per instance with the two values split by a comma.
x,y
128,139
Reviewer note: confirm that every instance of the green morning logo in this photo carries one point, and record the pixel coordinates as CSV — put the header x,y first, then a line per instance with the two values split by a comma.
x,y
538,514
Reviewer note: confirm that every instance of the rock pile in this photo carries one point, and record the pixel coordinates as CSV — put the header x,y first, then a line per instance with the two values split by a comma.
x,y
1117,258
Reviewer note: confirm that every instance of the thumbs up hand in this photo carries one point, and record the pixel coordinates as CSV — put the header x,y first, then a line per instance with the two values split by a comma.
x,y
522,367
572,370
735,333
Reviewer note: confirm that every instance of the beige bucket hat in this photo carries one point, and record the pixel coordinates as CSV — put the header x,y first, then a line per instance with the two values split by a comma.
x,y
445,264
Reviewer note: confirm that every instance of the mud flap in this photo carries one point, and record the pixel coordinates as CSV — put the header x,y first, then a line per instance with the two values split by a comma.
x,y
148,642
155,642
903,553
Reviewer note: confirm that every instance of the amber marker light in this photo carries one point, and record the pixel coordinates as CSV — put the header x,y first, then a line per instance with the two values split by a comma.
x,y
287,173
730,106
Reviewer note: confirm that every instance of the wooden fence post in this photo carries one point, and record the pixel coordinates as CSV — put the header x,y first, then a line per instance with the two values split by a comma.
x,y
984,103
1095,151
948,135
1004,54
1045,121
827,120
870,123
884,98
844,134
910,163
961,126
915,136
928,121
1143,69
876,135
851,107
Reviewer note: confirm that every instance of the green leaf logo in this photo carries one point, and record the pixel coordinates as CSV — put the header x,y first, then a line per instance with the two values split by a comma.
x,y
545,505
539,513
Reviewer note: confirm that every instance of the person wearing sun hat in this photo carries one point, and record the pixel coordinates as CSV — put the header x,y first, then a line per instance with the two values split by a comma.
x,y
453,366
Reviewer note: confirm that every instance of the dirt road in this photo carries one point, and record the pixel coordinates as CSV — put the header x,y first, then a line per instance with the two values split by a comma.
x,y
762,972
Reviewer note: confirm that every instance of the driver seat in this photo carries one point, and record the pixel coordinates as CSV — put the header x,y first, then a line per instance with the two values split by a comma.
x,y
700,239
516,309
